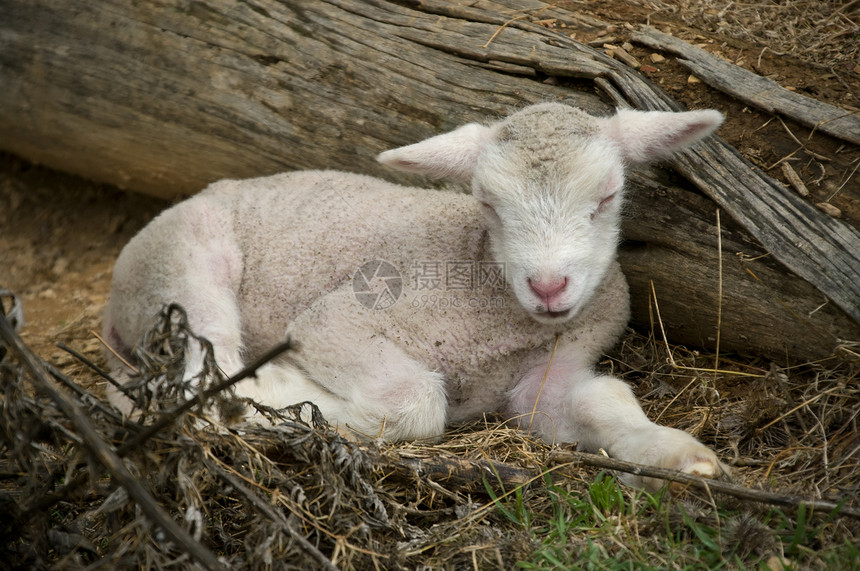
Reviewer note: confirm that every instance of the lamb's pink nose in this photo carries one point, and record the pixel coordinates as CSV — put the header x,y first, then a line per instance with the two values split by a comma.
x,y
547,290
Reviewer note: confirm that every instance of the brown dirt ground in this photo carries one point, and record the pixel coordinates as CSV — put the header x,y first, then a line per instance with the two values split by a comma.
x,y
59,234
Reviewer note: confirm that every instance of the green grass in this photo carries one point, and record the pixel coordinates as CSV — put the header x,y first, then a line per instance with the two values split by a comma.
x,y
606,526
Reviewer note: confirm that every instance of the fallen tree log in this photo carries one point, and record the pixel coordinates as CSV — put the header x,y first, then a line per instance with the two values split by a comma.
x,y
165,99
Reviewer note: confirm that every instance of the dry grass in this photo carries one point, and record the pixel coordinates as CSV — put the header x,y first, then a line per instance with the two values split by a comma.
x,y
823,33
794,427
300,495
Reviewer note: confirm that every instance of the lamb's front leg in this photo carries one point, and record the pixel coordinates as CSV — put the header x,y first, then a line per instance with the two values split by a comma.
x,y
355,373
601,412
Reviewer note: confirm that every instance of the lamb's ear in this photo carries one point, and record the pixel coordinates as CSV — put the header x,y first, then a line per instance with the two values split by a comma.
x,y
650,135
451,155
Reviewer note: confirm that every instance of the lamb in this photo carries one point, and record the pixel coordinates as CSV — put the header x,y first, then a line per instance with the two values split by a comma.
x,y
416,308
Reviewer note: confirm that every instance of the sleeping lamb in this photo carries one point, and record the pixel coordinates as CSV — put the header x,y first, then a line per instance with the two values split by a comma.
x,y
415,308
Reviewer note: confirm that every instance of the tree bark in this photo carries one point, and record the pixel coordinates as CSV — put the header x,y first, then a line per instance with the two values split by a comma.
x,y
166,97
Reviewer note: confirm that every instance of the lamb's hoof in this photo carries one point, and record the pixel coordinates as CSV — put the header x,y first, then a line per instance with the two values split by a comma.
x,y
704,468
675,450
708,467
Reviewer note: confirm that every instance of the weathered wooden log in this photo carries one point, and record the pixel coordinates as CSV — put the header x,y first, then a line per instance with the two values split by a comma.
x,y
165,98
761,92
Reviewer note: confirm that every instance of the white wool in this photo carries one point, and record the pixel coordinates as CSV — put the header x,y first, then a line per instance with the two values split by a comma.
x,y
253,261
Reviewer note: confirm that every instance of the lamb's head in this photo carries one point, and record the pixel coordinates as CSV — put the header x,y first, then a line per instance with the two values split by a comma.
x,y
550,180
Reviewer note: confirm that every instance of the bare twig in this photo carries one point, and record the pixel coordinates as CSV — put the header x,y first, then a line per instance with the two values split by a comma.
x,y
542,383
511,21
66,381
597,461
114,352
794,179
719,294
49,499
463,472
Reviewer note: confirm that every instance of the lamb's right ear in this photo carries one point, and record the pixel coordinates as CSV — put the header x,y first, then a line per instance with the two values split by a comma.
x,y
644,136
451,155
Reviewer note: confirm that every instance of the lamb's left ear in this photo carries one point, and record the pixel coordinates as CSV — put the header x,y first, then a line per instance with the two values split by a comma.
x,y
650,135
451,155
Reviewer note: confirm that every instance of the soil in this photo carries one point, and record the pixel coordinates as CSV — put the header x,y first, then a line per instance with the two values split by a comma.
x,y
59,234
59,237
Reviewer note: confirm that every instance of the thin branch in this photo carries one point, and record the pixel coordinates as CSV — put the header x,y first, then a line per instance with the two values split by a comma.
x,y
50,498
106,409
511,21
464,473
114,352
597,461
719,294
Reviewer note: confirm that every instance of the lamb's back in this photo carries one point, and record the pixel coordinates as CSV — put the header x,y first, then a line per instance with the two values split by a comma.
x,y
304,234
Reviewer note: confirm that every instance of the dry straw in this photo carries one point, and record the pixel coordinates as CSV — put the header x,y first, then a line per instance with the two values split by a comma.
x,y
182,484
822,33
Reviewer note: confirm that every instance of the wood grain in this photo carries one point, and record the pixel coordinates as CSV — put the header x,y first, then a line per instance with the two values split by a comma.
x,y
760,92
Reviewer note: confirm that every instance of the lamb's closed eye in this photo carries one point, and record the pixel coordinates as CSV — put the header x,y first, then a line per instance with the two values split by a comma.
x,y
604,204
